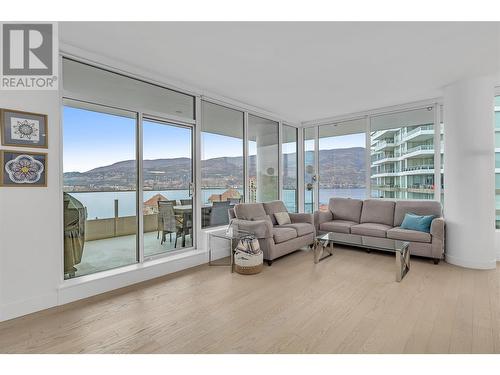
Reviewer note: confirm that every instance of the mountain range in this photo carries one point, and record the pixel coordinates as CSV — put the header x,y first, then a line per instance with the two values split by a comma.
x,y
338,168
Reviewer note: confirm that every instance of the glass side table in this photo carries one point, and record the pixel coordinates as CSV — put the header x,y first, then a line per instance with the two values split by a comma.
x,y
233,236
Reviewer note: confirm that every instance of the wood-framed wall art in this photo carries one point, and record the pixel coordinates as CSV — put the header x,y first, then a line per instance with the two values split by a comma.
x,y
23,129
23,169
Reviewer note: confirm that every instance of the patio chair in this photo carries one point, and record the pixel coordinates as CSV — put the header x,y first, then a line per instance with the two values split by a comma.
x,y
159,226
184,226
167,219
218,214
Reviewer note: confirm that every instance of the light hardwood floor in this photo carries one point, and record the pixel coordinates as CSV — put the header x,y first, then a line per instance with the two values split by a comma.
x,y
349,303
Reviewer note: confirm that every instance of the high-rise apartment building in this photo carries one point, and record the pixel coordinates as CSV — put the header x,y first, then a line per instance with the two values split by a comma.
x,y
402,162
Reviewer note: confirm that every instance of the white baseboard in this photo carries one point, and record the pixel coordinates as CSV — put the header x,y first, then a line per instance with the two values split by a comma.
x,y
486,265
25,307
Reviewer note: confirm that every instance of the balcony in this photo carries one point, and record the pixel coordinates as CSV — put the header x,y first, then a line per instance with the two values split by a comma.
x,y
419,150
385,157
386,173
418,170
386,144
427,189
419,134
378,134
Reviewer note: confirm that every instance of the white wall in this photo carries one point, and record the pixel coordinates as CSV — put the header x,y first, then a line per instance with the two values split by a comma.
x,y
30,222
469,165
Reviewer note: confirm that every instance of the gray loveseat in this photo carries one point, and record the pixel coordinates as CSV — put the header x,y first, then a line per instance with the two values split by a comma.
x,y
275,240
382,218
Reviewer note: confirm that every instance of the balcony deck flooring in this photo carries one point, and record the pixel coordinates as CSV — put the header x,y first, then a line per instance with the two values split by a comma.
x,y
109,253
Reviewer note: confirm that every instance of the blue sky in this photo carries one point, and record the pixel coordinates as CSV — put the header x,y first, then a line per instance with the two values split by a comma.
x,y
93,139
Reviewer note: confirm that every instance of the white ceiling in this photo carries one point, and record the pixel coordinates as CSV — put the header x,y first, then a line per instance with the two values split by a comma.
x,y
302,71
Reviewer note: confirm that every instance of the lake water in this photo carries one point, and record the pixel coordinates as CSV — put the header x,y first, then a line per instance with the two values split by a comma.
x,y
101,204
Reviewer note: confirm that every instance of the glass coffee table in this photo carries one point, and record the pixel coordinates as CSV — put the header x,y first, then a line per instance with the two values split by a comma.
x,y
324,244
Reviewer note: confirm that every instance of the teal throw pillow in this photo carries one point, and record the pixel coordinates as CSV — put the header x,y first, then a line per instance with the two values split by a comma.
x,y
417,222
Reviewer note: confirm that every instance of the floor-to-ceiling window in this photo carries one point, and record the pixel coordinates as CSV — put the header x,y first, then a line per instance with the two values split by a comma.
x,y
309,168
402,154
342,161
167,202
289,166
263,154
106,114
100,174
222,181
497,159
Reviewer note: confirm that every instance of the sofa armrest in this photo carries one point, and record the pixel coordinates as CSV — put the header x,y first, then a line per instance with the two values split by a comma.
x,y
259,228
321,217
301,218
437,228
438,238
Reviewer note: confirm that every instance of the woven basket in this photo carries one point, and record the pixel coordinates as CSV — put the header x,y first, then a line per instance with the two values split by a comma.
x,y
248,270
248,264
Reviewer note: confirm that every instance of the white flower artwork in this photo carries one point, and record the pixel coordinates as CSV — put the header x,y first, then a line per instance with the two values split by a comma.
x,y
24,169
25,129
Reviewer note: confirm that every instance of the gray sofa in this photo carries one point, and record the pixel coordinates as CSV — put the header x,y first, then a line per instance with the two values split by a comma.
x,y
275,240
382,218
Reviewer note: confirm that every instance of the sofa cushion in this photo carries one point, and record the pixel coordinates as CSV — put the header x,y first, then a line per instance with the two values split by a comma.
x,y
408,235
415,207
417,222
345,209
283,234
249,211
370,229
301,228
282,218
378,211
265,217
339,226
273,207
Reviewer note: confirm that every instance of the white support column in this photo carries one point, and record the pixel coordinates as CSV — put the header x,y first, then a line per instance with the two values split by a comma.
x,y
469,205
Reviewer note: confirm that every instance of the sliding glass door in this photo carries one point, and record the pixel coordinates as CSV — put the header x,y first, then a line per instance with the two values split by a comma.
x,y
167,199
99,199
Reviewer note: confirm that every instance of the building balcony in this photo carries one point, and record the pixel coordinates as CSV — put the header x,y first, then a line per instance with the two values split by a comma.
x,y
427,189
418,170
386,173
382,133
419,151
382,145
384,158
419,134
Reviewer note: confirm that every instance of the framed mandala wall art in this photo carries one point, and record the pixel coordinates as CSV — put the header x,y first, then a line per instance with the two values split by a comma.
x,y
23,169
23,129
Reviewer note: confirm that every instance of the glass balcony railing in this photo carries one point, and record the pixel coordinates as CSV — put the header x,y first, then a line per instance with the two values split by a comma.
x,y
418,130
383,144
418,168
419,148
